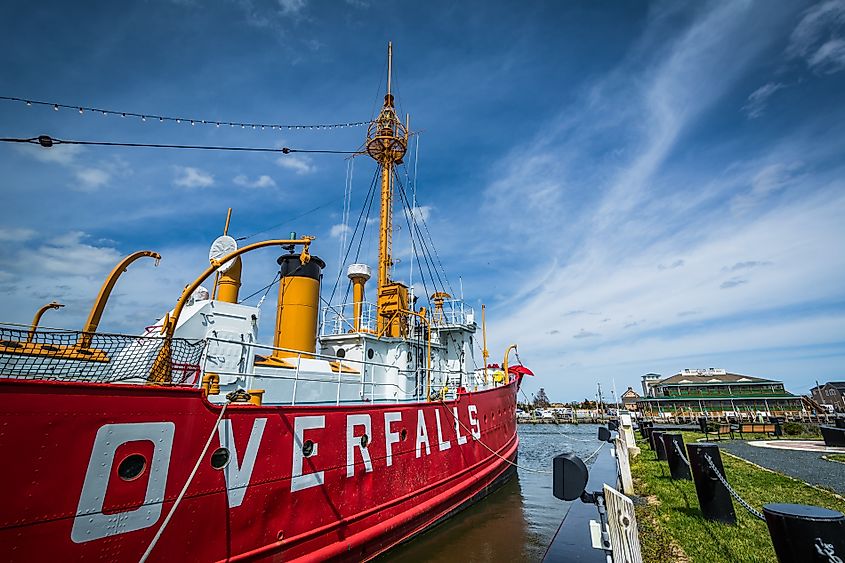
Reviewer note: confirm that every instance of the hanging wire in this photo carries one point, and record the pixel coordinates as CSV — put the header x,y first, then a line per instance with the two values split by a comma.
x,y
192,120
368,200
285,222
267,287
47,141
427,253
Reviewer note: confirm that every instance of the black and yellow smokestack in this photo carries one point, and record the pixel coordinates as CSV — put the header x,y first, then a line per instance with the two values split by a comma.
x,y
230,282
298,307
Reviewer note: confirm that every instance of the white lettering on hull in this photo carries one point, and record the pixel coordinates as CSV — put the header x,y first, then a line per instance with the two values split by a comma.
x,y
475,428
298,480
90,523
390,437
352,442
461,439
422,434
440,443
238,475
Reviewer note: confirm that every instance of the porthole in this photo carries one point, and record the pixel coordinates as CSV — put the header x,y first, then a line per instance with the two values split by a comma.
x,y
365,440
220,458
485,419
341,353
370,353
403,434
308,448
131,467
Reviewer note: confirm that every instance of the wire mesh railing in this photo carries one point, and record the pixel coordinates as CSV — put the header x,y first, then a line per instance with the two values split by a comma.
x,y
62,355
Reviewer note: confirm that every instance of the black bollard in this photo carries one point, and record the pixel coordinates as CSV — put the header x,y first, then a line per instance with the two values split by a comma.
x,y
659,447
713,498
805,533
648,432
677,467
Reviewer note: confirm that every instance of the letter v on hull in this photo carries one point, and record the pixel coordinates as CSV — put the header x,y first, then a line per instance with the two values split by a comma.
x,y
237,474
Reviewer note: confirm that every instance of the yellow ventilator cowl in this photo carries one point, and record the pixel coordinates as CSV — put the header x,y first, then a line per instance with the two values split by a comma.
x,y
298,306
230,282
359,274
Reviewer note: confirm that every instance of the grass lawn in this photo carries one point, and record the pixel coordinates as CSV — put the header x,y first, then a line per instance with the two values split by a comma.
x,y
836,457
671,519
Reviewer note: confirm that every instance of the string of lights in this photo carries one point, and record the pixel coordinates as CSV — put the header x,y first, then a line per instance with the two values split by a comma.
x,y
47,141
193,121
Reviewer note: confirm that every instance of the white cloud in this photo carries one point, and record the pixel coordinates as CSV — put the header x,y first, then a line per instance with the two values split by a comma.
x,y
69,254
291,7
829,58
92,178
299,164
16,234
756,104
422,212
57,154
190,177
262,181
338,230
818,37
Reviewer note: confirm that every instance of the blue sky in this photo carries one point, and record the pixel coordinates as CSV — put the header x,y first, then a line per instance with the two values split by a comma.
x,y
630,187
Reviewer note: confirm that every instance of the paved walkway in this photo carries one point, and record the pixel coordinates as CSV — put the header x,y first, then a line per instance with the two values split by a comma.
x,y
806,466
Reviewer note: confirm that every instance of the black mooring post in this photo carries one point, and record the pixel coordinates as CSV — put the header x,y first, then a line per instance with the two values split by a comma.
x,y
677,467
659,447
713,498
805,533
648,430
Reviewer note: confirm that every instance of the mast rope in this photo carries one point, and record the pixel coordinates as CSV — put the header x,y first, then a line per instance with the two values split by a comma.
x,y
184,490
368,197
47,141
429,261
193,121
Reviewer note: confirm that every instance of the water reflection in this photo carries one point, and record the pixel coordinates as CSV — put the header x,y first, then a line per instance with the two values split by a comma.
x,y
516,522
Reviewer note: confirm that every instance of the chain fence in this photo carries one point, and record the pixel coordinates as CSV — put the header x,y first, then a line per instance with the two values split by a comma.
x,y
734,494
681,453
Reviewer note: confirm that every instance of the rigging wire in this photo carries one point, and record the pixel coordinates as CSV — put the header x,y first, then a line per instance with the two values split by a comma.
x,y
46,141
368,197
193,121
426,251
301,215
344,221
267,287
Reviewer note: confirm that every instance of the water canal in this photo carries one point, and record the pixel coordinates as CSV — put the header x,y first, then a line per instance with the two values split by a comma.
x,y
517,522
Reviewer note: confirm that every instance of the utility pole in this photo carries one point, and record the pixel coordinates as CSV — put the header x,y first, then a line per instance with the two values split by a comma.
x,y
601,400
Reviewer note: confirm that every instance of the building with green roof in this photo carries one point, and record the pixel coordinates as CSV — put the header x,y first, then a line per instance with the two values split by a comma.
x,y
716,393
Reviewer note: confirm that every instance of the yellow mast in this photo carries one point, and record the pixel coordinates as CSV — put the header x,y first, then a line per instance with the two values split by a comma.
x,y
387,141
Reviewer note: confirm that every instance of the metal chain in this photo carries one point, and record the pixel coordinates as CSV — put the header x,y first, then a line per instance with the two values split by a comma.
x,y
681,453
730,489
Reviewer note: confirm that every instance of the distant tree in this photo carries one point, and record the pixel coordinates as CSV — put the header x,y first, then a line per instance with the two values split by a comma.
x,y
540,399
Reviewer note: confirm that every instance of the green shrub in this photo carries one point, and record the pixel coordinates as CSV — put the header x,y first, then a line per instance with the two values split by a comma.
x,y
793,428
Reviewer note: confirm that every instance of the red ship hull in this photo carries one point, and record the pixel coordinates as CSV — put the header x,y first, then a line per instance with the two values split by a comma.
x,y
350,499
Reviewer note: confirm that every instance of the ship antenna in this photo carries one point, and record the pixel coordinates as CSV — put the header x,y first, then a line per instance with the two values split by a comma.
x,y
387,142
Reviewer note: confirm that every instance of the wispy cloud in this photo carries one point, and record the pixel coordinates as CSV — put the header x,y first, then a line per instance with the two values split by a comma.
x,y
262,181
190,177
12,234
91,179
819,38
299,164
338,230
757,100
